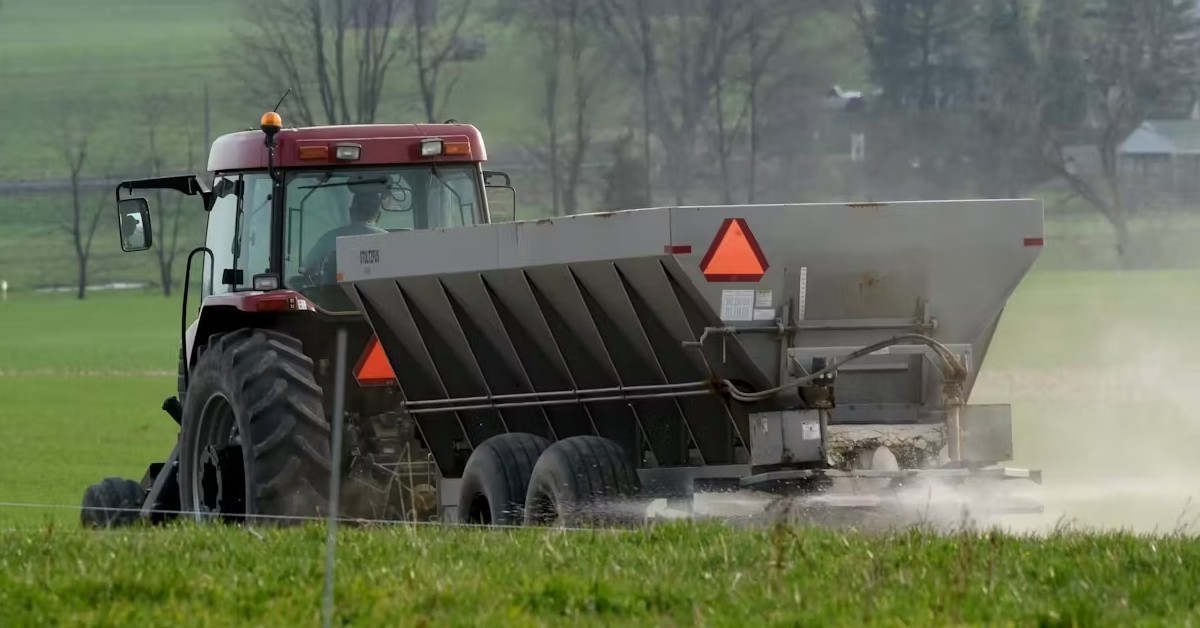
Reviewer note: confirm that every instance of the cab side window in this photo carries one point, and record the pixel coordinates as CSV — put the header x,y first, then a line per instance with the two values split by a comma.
x,y
254,236
239,232
222,228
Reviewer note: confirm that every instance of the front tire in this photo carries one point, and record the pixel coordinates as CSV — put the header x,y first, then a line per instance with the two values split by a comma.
x,y
111,503
255,442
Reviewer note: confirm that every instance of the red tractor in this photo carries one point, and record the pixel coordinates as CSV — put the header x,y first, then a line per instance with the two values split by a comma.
x,y
255,439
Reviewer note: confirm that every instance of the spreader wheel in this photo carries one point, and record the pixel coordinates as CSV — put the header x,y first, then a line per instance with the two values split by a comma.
x,y
582,480
496,479
255,442
112,503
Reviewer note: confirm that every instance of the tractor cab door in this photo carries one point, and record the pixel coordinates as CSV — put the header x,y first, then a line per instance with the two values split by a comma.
x,y
239,233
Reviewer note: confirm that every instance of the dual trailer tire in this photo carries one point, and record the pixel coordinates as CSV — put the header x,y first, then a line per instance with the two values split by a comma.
x,y
521,479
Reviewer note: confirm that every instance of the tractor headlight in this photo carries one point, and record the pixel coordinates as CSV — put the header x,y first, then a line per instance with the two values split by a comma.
x,y
347,152
431,148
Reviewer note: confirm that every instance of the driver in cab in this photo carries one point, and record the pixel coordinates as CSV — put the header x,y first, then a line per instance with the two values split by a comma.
x,y
365,209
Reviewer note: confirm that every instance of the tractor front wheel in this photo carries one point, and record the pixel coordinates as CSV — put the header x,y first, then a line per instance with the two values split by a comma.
x,y
112,503
255,442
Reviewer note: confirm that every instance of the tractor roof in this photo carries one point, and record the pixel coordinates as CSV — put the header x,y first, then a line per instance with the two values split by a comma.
x,y
382,144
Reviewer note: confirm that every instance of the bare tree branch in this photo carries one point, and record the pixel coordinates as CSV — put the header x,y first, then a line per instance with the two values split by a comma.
x,y
311,46
433,44
75,135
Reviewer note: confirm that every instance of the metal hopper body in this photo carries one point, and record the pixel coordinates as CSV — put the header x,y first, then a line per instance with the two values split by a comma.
x,y
608,324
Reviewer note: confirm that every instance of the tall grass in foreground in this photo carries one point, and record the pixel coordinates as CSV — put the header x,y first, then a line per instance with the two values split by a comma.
x,y
694,574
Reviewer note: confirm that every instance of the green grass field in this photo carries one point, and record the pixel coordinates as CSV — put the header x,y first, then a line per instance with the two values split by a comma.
x,y
1096,365
673,575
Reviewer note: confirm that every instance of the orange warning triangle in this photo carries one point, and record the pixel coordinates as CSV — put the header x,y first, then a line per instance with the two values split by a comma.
x,y
734,254
373,367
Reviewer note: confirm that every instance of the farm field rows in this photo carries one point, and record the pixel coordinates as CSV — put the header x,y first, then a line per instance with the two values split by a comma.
x,y
1095,364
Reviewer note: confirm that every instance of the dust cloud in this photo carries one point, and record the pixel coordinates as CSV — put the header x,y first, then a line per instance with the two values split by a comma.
x,y
1117,438
1107,406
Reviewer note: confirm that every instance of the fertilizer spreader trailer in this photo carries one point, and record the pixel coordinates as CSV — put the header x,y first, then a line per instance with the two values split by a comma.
x,y
561,370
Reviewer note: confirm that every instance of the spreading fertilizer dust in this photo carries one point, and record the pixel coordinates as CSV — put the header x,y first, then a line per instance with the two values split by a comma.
x,y
1115,437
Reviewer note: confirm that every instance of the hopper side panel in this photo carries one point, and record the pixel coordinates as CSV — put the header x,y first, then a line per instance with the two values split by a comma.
x,y
416,253
727,356
563,240
557,285
518,311
586,238
490,347
469,295
708,421
448,349
386,311
589,368
647,279
870,268
625,340
600,281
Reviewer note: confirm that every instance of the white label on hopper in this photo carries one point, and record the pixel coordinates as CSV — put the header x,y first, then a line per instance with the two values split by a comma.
x,y
764,315
763,298
810,430
737,305
801,298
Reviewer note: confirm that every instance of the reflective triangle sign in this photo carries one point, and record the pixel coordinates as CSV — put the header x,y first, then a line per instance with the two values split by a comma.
x,y
373,368
734,254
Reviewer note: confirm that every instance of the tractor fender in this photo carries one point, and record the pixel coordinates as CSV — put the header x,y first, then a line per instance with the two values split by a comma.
x,y
226,312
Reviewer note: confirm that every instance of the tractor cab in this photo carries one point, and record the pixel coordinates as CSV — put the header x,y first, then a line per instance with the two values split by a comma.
x,y
278,199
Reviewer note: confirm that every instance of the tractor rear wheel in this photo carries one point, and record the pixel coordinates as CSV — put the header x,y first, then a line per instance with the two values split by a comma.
x,y
496,479
579,481
111,503
255,442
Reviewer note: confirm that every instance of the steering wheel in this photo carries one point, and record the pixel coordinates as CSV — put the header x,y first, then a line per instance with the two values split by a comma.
x,y
322,275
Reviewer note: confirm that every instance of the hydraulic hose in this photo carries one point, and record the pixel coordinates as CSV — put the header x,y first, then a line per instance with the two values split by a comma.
x,y
953,367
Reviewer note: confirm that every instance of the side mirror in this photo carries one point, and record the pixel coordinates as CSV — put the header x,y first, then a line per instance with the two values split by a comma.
x,y
134,217
496,179
493,180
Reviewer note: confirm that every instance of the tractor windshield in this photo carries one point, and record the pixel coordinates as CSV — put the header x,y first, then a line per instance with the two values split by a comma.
x,y
325,204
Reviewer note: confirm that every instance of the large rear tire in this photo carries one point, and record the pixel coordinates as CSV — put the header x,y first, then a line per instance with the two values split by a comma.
x,y
496,479
582,480
255,442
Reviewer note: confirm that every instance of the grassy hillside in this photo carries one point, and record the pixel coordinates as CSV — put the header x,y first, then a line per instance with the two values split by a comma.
x,y
68,61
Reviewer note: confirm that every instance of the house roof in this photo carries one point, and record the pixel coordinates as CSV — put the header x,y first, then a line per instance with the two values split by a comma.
x,y
1164,137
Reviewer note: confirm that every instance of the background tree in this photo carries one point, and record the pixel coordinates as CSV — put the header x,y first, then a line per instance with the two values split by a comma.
x,y
921,126
335,55
1005,158
83,213
573,76
1135,56
169,207
436,44
676,50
